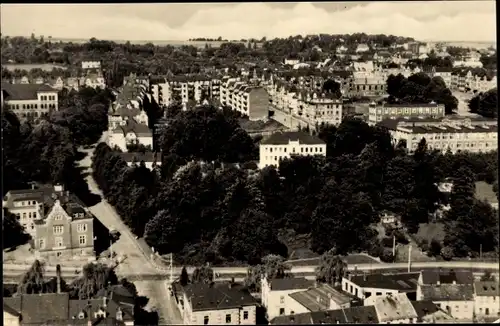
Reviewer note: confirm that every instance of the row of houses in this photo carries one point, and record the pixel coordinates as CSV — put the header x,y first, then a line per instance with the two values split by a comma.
x,y
90,79
419,297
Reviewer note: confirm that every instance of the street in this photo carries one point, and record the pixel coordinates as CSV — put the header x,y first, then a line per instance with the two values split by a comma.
x,y
160,300
463,104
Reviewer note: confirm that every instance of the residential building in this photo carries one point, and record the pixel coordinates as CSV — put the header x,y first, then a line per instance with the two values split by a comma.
x,y
275,295
66,232
95,80
215,304
95,64
291,62
283,145
184,88
368,84
317,108
487,299
452,291
30,101
113,307
150,159
395,309
365,66
321,297
442,72
443,134
362,48
130,133
250,100
370,287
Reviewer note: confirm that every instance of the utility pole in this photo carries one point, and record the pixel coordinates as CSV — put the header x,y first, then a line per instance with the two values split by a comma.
x,y
393,246
409,259
481,251
171,266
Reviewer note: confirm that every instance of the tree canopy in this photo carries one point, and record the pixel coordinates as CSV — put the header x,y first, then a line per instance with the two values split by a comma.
x,y
485,104
420,88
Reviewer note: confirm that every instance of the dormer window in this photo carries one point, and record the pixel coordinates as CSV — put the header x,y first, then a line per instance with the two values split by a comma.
x,y
81,315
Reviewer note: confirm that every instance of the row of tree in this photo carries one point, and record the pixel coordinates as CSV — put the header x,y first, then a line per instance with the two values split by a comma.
x,y
420,88
209,211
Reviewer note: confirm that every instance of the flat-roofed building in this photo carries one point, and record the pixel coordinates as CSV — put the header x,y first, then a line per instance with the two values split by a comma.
x,y
377,113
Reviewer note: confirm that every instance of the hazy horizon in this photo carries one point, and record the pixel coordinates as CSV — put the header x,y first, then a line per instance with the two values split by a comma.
x,y
430,21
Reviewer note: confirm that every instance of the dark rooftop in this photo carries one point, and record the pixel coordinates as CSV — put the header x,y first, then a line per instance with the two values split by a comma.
x,y
431,277
318,298
405,282
283,138
25,91
448,292
146,157
487,289
290,283
217,296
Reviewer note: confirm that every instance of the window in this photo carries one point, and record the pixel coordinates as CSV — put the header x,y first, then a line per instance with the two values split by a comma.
x,y
228,318
82,227
58,229
282,311
24,216
245,315
205,320
82,239
58,242
41,243
58,254
378,293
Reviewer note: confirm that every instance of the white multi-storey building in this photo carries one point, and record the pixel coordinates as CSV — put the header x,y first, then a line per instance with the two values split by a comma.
x,y
443,134
165,90
250,100
377,113
283,145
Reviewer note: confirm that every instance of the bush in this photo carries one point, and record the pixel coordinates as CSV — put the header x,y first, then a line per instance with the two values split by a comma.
x,y
387,242
447,253
387,256
424,245
389,231
434,248
400,237
376,250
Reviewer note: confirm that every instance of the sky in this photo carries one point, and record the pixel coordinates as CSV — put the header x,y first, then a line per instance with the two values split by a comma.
x,y
472,21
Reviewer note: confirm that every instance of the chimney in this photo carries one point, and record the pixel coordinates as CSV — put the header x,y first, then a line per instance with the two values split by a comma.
x,y
104,301
364,276
58,278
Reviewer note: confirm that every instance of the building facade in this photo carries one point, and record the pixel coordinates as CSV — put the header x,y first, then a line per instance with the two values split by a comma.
x,y
486,299
377,113
444,134
283,145
30,101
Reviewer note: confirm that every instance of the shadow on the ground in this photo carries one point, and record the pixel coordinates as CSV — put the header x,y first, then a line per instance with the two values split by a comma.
x,y
104,238
141,315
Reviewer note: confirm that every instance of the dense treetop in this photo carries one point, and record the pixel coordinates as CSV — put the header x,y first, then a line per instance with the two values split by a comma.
x,y
420,88
485,104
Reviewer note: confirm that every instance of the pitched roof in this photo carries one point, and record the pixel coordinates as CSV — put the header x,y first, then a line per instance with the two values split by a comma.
x,y
405,282
25,91
318,298
353,315
447,277
394,307
283,138
487,289
290,283
41,308
448,292
217,296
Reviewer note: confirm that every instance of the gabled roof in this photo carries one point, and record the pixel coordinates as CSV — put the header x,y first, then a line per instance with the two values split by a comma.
x,y
447,277
394,307
40,308
318,298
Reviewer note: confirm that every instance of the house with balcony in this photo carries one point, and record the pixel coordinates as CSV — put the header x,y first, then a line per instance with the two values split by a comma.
x,y
215,304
